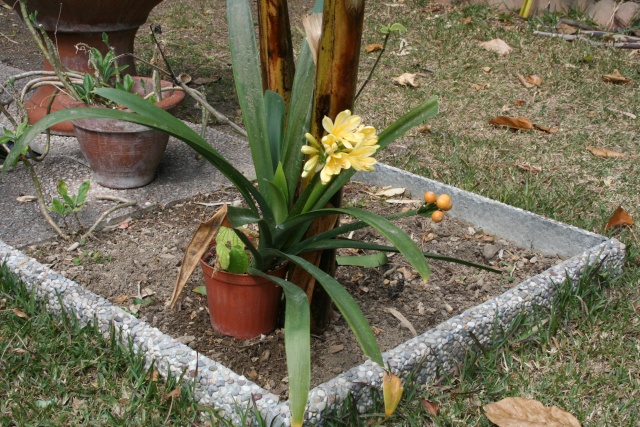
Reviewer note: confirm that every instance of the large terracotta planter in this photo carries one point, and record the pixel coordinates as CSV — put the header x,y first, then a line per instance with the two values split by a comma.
x,y
69,22
122,154
241,305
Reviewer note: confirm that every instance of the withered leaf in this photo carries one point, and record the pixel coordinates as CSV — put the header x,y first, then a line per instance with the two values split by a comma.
x,y
392,392
406,79
519,102
24,199
563,28
20,313
335,348
121,299
466,20
545,128
625,113
431,407
498,46
486,69
152,376
528,168
424,129
518,412
512,122
373,47
524,82
534,80
390,191
480,86
619,218
175,393
605,153
615,77
205,80
403,320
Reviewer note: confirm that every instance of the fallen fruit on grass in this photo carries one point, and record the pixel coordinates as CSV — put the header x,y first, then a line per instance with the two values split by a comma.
x,y
430,197
437,216
444,202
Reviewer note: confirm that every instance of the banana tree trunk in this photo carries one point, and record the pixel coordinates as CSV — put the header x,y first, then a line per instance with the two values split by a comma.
x,y
336,85
276,51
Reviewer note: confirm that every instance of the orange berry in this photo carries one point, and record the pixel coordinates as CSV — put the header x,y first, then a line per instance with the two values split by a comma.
x,y
430,197
437,216
444,202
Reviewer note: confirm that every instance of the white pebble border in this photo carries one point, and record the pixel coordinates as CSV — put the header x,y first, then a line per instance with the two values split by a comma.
x,y
227,391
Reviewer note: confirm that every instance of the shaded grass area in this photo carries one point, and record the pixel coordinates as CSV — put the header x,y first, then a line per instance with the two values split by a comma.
x,y
56,372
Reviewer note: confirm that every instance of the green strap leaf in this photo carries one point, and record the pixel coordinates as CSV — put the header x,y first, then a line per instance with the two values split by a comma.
x,y
369,261
248,80
275,110
345,304
297,343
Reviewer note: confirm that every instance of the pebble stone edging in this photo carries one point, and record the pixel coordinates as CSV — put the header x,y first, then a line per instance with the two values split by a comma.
x,y
219,386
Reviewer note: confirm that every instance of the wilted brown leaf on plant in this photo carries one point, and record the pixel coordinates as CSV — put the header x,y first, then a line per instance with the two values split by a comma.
x,y
615,77
605,153
498,46
512,122
373,47
528,168
545,128
431,407
619,218
406,79
520,412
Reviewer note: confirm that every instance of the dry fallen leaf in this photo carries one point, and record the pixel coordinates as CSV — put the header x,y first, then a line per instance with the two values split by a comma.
x,y
512,122
403,201
615,77
466,20
335,348
424,129
20,313
529,168
566,28
519,102
534,80
24,199
403,320
121,299
545,128
486,69
605,153
123,225
205,80
625,113
406,79
390,192
431,407
152,376
392,392
498,46
373,47
524,81
520,412
619,218
480,86
175,393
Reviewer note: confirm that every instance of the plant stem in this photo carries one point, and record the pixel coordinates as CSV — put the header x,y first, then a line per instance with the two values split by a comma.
x,y
375,65
124,203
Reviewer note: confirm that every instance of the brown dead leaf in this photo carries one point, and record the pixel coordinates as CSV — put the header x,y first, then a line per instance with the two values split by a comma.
x,y
390,192
431,407
406,79
605,153
373,47
153,376
466,20
512,122
486,69
121,299
524,82
20,313
480,86
519,102
520,412
407,274
24,199
124,225
528,168
498,46
335,348
205,80
403,320
175,393
376,331
620,218
615,77
424,129
563,28
545,128
534,80
20,351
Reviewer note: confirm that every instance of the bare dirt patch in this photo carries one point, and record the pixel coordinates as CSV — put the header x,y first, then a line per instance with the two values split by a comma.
x,y
142,256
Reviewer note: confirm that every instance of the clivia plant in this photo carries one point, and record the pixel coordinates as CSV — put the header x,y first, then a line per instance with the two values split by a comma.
x,y
305,145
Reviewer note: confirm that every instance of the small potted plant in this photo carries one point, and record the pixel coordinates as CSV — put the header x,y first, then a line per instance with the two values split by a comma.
x,y
120,154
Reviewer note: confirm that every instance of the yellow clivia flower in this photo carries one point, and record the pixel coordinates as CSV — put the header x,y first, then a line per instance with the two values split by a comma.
x,y
344,128
335,159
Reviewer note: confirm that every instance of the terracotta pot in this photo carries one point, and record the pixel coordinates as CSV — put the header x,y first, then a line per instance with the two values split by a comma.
x,y
69,22
241,305
122,154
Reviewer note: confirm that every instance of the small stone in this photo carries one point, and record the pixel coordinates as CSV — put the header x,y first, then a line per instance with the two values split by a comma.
x,y
186,339
489,251
533,260
448,308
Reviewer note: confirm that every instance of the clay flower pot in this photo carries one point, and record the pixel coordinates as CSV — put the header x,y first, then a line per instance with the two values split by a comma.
x,y
122,154
241,305
69,22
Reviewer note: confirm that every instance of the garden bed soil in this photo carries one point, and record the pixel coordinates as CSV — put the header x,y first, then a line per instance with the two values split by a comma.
x,y
134,264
